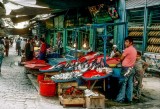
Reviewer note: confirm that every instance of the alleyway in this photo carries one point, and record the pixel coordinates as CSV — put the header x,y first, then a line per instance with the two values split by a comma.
x,y
17,92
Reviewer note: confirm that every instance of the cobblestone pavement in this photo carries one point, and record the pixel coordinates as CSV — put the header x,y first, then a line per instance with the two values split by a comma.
x,y
17,92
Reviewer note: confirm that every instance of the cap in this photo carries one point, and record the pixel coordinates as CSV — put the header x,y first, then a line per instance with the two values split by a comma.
x,y
115,46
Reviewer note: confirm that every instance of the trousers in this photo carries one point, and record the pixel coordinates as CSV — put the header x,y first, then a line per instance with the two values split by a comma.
x,y
126,88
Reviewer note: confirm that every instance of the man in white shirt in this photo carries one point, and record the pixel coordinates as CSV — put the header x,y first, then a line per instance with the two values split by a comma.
x,y
23,43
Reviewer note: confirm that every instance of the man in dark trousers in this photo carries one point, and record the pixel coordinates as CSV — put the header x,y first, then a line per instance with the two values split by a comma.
x,y
18,46
7,46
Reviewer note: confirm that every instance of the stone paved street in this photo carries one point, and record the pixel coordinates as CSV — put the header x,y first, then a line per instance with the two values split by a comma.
x,y
17,92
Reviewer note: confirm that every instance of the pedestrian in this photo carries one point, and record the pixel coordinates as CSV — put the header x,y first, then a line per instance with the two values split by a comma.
x,y
43,48
140,67
29,50
59,43
23,43
128,59
2,48
18,46
6,46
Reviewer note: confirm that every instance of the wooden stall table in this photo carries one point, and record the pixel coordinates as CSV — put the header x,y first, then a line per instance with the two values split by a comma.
x,y
96,79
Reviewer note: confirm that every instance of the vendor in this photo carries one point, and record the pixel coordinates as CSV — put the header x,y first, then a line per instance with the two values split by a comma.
x,y
59,43
115,52
43,48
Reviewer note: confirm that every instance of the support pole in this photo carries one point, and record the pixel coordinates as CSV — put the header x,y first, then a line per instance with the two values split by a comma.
x,y
145,26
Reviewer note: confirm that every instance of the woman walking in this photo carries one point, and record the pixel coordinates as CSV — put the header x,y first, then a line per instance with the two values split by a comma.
x,y
2,48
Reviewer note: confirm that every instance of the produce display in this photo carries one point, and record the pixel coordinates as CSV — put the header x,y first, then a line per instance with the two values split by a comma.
x,y
154,33
153,48
153,36
66,76
136,28
71,65
153,39
72,92
136,33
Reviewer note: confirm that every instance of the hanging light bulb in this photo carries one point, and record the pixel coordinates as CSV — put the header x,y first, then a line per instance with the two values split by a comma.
x,y
85,40
84,45
74,45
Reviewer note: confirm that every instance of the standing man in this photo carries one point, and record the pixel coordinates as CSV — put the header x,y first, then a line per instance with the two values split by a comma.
x,y
2,48
128,59
59,43
7,46
23,43
18,46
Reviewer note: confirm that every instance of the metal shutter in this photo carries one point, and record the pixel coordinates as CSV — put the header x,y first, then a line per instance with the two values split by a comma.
x,y
131,4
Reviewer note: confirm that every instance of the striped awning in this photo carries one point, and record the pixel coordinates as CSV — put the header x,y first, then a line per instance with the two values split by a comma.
x,y
131,4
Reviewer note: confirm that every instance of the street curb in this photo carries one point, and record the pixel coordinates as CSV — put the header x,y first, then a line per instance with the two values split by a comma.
x,y
33,81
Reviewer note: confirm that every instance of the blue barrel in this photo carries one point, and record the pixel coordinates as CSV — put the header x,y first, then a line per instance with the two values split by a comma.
x,y
116,72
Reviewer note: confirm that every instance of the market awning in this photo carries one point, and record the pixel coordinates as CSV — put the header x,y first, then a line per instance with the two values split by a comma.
x,y
30,11
131,4
21,19
67,4
2,10
15,31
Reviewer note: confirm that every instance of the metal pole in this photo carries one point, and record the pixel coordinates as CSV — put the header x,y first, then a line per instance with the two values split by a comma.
x,y
145,26
105,42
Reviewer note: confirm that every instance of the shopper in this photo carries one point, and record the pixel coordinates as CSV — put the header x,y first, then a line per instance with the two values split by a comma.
x,y
29,50
43,48
18,46
7,46
140,67
59,43
128,59
2,48
23,43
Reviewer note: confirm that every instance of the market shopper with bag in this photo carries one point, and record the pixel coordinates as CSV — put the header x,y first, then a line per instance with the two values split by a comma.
x,y
128,59
2,48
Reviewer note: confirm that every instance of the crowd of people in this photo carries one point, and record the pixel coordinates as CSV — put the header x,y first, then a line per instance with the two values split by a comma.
x,y
25,47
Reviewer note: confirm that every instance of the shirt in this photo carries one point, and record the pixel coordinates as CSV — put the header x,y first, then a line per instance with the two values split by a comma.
x,y
112,54
2,49
23,43
43,48
139,65
129,54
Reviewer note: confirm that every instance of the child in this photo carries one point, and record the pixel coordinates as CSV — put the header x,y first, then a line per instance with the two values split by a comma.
x,y
140,67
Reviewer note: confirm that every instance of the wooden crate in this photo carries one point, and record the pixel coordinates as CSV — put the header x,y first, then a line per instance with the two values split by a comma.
x,y
71,101
47,76
95,102
63,85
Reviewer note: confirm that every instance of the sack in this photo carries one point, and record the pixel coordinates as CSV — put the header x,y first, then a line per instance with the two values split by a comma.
x,y
126,71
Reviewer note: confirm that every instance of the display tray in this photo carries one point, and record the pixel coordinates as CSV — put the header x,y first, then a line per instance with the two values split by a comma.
x,y
50,70
62,81
35,66
97,78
